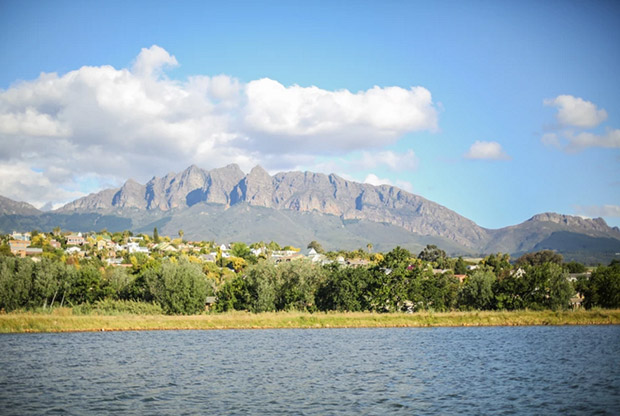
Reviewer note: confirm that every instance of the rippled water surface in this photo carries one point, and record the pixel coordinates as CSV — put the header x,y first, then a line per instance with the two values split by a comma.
x,y
498,370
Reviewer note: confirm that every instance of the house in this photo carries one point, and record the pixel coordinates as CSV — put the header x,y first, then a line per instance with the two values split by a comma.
x,y
19,236
210,302
18,247
55,244
74,251
33,251
135,248
75,240
461,277
22,248
576,301
358,263
211,257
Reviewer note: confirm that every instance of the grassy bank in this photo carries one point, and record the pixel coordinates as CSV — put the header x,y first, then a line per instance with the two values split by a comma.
x,y
63,320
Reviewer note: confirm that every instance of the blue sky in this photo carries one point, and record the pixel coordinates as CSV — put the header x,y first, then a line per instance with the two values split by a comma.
x,y
497,110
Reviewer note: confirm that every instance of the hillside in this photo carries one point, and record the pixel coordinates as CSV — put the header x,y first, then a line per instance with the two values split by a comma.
x,y
295,191
297,207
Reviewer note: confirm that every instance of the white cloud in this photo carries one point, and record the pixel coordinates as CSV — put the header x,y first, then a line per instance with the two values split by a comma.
x,y
373,179
310,118
571,142
592,211
576,112
110,124
611,139
551,140
486,150
151,61
21,183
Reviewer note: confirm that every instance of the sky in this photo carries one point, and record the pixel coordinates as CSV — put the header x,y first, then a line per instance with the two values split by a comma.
x,y
498,110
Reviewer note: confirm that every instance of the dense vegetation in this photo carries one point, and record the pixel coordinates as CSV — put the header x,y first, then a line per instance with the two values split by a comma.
x,y
396,281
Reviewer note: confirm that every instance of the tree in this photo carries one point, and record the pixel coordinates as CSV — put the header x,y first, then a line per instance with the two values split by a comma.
x,y
538,258
477,292
460,267
546,287
180,288
499,263
369,247
433,254
241,250
86,287
602,288
344,289
398,257
316,246
261,285
181,234
575,267
155,236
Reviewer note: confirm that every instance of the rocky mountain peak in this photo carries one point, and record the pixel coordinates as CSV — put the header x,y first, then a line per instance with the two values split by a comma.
x,y
11,207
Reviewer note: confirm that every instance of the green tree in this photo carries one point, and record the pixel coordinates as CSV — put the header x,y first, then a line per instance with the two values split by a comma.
x,y
86,286
344,289
15,282
398,257
539,258
460,267
180,288
316,246
433,254
477,292
602,288
575,267
261,285
155,236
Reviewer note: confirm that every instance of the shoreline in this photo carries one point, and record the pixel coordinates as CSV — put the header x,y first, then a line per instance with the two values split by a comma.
x,y
64,321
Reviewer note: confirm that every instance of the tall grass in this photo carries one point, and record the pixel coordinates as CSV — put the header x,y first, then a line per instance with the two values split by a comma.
x,y
65,319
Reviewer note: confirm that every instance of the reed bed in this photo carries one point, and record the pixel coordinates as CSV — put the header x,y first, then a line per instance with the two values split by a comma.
x,y
64,320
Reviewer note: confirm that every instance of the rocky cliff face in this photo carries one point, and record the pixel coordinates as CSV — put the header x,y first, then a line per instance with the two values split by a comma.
x,y
10,207
299,191
329,194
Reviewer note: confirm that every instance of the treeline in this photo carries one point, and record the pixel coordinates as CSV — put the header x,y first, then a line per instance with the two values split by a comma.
x,y
398,281
402,283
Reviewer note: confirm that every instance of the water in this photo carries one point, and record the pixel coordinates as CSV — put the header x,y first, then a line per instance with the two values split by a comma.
x,y
495,370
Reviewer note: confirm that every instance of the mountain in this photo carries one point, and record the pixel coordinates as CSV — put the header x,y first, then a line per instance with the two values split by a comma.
x,y
225,204
296,191
10,207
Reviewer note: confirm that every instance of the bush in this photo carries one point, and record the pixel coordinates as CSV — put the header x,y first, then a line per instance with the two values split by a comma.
x,y
118,307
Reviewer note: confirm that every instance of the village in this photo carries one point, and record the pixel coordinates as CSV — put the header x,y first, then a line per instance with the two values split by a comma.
x,y
115,249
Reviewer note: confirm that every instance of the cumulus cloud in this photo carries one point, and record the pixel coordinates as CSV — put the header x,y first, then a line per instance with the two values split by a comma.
x,y
611,139
373,179
576,112
110,124
486,150
592,211
310,117
575,116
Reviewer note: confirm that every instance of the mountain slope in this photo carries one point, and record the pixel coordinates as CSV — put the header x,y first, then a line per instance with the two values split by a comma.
x,y
11,207
296,191
297,207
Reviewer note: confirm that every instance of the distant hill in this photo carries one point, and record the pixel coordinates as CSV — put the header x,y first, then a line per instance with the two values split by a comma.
x,y
297,207
10,207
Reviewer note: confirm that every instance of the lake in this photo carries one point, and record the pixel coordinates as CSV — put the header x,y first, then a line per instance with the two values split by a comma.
x,y
484,370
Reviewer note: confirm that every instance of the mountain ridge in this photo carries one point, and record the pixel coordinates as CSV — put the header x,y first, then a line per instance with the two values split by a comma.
x,y
324,204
